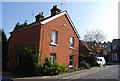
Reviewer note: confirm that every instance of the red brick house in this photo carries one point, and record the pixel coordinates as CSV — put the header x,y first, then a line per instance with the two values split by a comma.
x,y
55,36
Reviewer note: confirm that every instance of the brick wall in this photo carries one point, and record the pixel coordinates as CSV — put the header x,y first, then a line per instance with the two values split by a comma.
x,y
29,37
39,36
63,49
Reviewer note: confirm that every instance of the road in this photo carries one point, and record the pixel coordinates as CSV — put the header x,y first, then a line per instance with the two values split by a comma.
x,y
94,74
103,73
108,72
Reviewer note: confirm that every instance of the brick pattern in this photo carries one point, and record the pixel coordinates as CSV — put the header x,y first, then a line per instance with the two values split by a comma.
x,y
63,49
39,36
29,37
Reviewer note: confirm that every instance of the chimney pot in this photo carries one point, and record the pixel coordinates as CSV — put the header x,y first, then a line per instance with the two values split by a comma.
x,y
39,17
55,10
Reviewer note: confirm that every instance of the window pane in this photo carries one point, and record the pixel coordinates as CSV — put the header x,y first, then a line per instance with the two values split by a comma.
x,y
71,59
53,57
54,37
71,41
113,57
116,57
70,63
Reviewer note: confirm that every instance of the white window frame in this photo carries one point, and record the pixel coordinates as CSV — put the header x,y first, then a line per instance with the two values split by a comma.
x,y
71,60
72,42
53,57
54,35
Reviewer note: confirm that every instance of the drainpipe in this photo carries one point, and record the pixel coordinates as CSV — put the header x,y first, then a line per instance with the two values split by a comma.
x,y
41,38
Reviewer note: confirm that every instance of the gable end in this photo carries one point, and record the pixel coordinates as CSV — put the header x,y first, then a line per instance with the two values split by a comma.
x,y
58,15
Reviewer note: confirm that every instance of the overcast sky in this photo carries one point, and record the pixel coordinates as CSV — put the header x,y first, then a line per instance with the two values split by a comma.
x,y
85,15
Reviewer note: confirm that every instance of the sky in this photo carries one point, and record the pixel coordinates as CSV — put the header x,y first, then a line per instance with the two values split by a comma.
x,y
85,15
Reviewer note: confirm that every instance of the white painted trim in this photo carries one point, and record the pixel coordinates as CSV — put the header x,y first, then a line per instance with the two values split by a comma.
x,y
72,25
71,47
54,44
58,15
52,18
70,66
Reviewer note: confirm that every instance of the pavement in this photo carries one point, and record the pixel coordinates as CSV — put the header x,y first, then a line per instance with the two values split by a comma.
x,y
86,73
73,75
8,75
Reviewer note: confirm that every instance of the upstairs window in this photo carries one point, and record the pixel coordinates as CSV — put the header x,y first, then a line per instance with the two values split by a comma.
x,y
54,37
71,42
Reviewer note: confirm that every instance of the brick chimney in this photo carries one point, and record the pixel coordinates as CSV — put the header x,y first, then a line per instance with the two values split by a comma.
x,y
39,17
55,10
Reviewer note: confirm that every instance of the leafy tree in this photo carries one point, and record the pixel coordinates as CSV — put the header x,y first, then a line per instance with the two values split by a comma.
x,y
1,42
27,60
25,23
4,50
0,36
17,26
94,35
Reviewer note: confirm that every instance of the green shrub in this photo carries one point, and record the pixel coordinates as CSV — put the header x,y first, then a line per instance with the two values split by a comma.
x,y
72,70
28,61
28,64
85,64
39,70
63,68
91,60
53,68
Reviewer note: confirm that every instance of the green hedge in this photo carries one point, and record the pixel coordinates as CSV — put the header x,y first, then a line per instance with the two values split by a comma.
x,y
87,61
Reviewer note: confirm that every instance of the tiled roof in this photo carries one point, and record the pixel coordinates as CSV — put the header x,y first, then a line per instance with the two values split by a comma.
x,y
85,44
50,18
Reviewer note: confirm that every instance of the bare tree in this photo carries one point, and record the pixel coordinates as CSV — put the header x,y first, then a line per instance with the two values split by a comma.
x,y
94,35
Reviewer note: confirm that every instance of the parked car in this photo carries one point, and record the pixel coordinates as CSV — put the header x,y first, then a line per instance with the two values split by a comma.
x,y
101,61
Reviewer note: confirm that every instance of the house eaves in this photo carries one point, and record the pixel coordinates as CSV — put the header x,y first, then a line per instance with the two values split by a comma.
x,y
58,15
